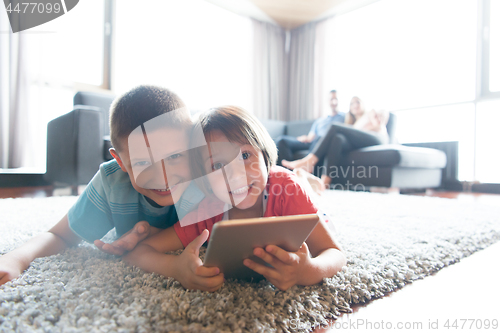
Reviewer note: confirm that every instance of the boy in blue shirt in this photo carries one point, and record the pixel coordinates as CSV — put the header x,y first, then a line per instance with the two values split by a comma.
x,y
148,176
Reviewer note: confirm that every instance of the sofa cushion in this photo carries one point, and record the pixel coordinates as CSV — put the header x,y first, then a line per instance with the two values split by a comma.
x,y
398,155
275,128
298,127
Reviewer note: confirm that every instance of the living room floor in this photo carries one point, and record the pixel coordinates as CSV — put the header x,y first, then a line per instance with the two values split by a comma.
x,y
457,294
466,290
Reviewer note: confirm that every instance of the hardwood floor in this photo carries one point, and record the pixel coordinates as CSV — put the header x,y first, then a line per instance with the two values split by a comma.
x,y
490,199
466,290
26,192
37,192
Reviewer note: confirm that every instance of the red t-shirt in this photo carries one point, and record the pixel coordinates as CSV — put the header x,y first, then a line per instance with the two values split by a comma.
x,y
286,197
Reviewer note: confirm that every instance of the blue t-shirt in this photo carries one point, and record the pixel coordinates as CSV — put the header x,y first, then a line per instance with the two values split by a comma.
x,y
110,201
321,126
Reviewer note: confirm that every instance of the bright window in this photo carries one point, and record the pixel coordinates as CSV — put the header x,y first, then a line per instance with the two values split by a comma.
x,y
416,58
200,51
439,124
62,56
69,49
488,139
494,40
404,54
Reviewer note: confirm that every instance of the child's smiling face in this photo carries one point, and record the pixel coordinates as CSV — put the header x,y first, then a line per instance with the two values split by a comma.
x,y
237,172
165,180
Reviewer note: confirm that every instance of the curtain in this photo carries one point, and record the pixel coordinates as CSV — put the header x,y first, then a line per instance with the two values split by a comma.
x,y
287,82
269,71
4,91
320,91
301,73
14,97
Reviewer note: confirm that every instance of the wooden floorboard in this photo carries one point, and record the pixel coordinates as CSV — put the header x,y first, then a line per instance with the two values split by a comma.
x,y
26,192
37,192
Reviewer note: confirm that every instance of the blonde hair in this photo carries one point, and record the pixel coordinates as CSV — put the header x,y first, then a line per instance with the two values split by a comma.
x,y
350,118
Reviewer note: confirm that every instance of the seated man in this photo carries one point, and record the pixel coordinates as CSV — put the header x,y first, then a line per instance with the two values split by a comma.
x,y
288,145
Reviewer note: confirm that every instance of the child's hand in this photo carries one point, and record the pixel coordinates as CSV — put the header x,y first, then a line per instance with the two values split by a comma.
x,y
191,272
288,266
9,269
128,241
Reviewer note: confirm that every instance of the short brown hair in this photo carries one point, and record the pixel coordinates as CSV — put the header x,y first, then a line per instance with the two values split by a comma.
x,y
238,125
137,106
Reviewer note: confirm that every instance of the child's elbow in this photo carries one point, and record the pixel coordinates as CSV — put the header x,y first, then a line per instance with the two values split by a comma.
x,y
344,261
338,260
341,261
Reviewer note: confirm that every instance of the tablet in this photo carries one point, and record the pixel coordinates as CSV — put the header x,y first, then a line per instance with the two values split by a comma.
x,y
232,241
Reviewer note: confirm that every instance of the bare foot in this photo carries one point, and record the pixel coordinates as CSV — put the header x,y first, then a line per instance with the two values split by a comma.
x,y
326,181
314,182
128,241
307,163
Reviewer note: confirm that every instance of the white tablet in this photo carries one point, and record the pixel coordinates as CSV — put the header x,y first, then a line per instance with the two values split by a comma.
x,y
233,241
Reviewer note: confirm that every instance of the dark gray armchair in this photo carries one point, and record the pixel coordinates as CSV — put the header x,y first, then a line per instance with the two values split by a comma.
x,y
78,142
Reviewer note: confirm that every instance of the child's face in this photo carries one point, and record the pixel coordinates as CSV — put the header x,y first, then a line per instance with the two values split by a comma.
x,y
165,180
242,165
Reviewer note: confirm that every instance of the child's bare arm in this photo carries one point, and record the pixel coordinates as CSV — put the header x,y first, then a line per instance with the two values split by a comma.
x,y
327,255
165,240
57,239
146,253
298,268
129,240
186,268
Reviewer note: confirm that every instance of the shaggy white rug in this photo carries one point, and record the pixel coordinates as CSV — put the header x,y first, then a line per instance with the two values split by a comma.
x,y
389,240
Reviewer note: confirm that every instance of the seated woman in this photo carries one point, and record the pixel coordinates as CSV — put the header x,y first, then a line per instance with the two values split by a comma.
x,y
361,129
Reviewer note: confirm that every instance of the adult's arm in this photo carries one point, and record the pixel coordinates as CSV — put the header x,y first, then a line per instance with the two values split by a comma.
x,y
373,120
312,133
306,138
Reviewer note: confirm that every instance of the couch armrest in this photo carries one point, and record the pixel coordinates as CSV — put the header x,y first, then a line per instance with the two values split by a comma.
x,y
101,100
105,149
74,146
